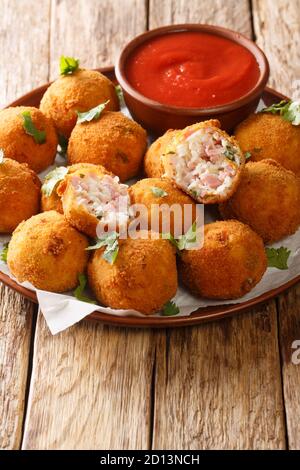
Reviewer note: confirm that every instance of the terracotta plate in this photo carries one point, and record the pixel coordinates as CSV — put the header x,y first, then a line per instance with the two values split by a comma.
x,y
202,315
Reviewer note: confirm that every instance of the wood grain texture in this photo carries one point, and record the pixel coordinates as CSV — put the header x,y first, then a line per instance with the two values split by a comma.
x,y
15,330
24,45
91,389
93,30
218,386
24,65
277,28
91,385
227,13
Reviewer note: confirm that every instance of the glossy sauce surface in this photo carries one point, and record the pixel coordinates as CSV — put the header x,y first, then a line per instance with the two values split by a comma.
x,y
192,69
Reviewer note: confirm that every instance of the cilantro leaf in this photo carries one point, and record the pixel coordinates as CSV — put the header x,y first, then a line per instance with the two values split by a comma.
x,y
248,155
289,110
78,292
183,242
54,177
1,156
30,129
158,192
92,114
3,254
68,65
62,145
120,95
278,257
170,309
110,241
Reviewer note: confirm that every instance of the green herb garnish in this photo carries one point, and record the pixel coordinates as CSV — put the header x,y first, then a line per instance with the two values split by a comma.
x,y
1,156
248,155
92,114
170,309
230,153
30,129
120,95
62,145
68,65
110,240
288,110
3,254
183,242
78,292
54,177
158,192
278,257
194,193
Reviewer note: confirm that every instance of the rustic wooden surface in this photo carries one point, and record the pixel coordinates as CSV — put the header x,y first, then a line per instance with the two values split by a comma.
x,y
225,385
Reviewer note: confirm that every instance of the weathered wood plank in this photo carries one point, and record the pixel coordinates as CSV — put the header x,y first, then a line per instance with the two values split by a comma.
x,y
93,30
91,385
277,27
218,386
227,13
91,389
24,65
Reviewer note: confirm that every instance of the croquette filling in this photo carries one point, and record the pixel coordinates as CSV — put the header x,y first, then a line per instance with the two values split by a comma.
x,y
104,197
204,163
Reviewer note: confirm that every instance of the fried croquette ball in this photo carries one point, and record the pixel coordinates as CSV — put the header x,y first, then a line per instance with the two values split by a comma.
x,y
203,161
52,201
46,251
143,277
159,196
114,141
267,135
152,161
19,194
228,266
92,196
80,91
267,199
18,145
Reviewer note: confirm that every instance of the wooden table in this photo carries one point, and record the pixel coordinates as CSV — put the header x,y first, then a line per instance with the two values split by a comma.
x,y
228,385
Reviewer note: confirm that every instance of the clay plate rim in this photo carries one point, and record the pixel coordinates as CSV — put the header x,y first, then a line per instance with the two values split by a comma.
x,y
200,316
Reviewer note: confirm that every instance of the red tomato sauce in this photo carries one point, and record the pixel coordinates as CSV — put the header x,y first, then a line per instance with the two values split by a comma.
x,y
192,69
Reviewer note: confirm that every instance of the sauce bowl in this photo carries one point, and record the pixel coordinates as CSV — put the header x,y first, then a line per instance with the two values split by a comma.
x,y
160,117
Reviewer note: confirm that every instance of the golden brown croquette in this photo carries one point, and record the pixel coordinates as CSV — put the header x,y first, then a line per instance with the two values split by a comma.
x,y
152,163
80,91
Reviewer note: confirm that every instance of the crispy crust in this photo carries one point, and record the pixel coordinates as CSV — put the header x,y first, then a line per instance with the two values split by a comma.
x,y
213,123
80,91
230,264
130,282
269,136
46,251
268,200
152,163
20,146
19,194
114,141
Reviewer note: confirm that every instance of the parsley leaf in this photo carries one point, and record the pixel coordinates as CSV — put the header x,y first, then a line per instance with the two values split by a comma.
x,y
30,129
1,156
120,95
68,65
51,180
230,153
62,145
289,110
78,292
183,242
110,241
170,309
158,192
278,257
3,254
92,114
248,155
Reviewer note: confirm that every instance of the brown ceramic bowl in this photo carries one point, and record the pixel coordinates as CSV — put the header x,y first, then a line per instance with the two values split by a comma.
x,y
160,117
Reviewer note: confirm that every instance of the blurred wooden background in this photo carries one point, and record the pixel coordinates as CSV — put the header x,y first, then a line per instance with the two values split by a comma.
x,y
228,385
